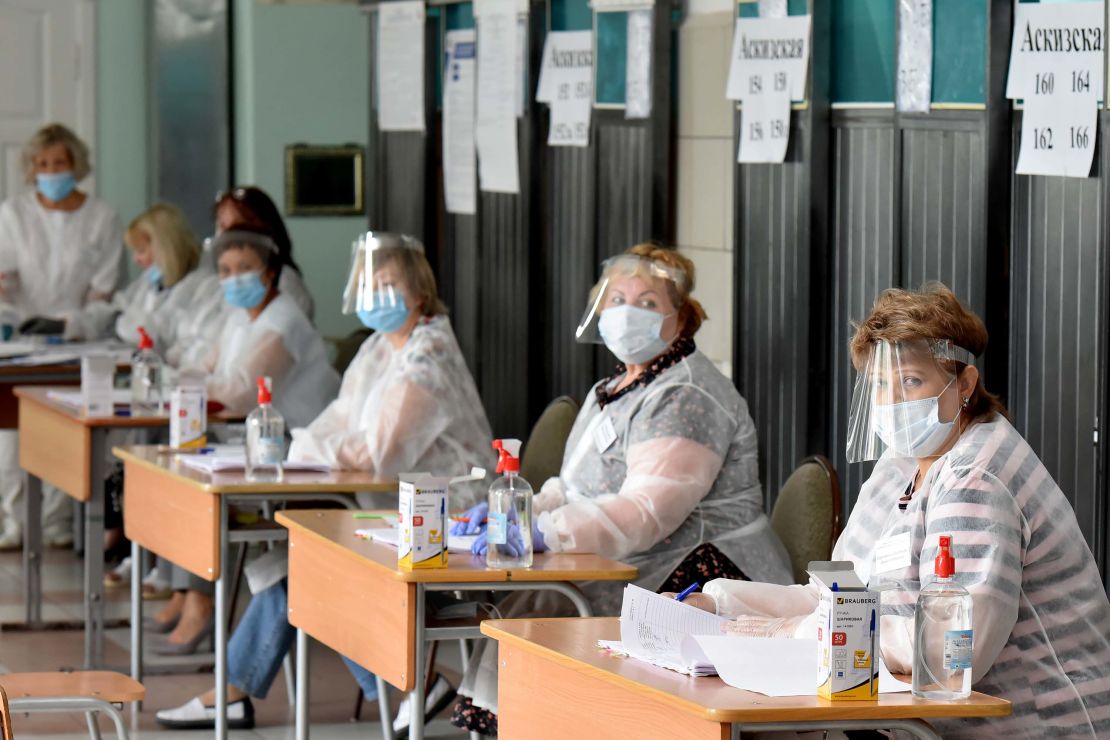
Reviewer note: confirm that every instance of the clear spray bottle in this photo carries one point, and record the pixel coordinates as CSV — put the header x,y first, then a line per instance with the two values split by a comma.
x,y
510,511
942,649
265,438
146,378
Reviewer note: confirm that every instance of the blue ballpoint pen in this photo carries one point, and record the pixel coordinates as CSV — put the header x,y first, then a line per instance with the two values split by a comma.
x,y
873,666
687,591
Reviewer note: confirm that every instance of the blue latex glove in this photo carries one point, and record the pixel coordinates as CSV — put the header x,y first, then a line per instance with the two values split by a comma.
x,y
514,544
477,518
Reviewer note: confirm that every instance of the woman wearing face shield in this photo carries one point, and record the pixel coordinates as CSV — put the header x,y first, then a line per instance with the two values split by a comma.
x,y
950,463
59,251
407,402
265,334
660,463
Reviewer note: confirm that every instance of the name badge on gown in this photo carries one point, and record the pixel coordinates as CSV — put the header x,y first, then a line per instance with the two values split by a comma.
x,y
604,435
892,553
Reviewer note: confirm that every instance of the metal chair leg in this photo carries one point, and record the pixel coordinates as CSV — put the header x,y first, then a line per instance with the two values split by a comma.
x,y
94,727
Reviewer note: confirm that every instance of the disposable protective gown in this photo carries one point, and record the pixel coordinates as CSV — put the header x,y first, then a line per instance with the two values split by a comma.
x,y
1041,617
413,409
281,344
678,469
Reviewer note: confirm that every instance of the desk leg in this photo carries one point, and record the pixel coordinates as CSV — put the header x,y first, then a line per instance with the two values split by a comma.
x,y
221,626
137,617
32,551
416,696
94,553
302,686
386,716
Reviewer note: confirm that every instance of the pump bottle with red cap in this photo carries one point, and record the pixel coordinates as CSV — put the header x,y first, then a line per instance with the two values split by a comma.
x,y
265,438
146,378
509,536
942,650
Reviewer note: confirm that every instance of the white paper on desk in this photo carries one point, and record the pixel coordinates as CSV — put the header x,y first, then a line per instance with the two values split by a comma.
x,y
227,461
775,666
389,536
400,65
766,46
120,397
460,183
495,132
654,628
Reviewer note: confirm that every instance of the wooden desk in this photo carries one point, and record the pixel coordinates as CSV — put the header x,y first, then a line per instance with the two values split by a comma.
x,y
62,446
547,665
182,514
13,376
349,594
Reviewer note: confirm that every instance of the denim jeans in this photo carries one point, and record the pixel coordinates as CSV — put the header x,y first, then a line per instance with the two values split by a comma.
x,y
261,640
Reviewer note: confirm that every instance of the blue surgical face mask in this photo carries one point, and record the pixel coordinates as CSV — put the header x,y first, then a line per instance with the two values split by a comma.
x,y
632,333
154,275
385,317
913,428
55,186
244,290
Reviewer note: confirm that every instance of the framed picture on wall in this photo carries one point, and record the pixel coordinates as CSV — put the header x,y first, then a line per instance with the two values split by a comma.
x,y
324,180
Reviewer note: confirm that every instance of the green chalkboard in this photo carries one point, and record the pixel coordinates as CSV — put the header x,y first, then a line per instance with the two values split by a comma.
x,y
612,58
571,15
750,8
460,16
960,51
863,60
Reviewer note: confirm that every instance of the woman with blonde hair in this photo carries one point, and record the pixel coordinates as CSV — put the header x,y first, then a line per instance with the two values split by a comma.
x,y
59,250
660,469
950,463
166,298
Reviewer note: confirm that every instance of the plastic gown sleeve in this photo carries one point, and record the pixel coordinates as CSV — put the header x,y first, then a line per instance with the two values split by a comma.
x,y
552,495
409,421
750,598
667,477
988,532
237,387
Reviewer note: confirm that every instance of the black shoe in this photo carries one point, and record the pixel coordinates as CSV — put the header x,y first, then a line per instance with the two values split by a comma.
x,y
193,715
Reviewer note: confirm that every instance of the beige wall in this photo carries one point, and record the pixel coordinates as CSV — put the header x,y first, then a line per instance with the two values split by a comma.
x,y
705,167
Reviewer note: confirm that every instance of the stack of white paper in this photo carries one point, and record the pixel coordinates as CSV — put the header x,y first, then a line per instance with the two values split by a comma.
x,y
654,629
223,461
389,535
120,397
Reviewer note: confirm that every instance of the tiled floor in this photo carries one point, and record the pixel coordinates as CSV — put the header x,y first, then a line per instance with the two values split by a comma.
x,y
332,694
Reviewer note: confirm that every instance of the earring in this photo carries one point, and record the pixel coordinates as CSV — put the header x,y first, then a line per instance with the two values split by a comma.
x,y
967,401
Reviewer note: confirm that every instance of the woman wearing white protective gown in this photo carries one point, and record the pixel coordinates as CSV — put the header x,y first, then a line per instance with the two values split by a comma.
x,y
950,463
660,469
407,403
60,249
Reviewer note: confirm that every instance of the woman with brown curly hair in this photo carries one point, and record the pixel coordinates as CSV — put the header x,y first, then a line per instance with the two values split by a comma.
x,y
950,463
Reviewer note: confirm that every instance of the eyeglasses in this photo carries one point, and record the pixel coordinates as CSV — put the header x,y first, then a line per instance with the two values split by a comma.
x,y
239,194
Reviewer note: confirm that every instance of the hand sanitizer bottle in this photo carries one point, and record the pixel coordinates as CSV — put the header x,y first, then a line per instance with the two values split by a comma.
x,y
942,633
146,378
509,535
265,438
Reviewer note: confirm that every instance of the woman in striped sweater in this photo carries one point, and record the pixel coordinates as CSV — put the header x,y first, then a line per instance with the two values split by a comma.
x,y
949,462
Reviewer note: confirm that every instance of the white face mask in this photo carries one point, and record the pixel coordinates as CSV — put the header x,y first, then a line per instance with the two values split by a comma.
x,y
913,428
632,333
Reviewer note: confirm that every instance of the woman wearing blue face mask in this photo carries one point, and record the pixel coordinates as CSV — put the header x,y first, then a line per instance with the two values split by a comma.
x,y
950,463
265,333
59,250
660,468
407,402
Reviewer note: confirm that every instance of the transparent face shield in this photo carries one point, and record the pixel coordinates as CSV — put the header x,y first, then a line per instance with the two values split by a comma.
x,y
906,399
374,280
631,280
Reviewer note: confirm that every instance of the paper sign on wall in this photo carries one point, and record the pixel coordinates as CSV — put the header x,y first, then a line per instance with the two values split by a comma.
x,y
637,78
915,56
459,181
495,132
1056,69
400,66
770,58
566,84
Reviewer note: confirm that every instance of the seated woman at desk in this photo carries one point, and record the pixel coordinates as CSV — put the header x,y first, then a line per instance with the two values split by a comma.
x,y
660,468
407,403
59,250
265,334
170,286
950,463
